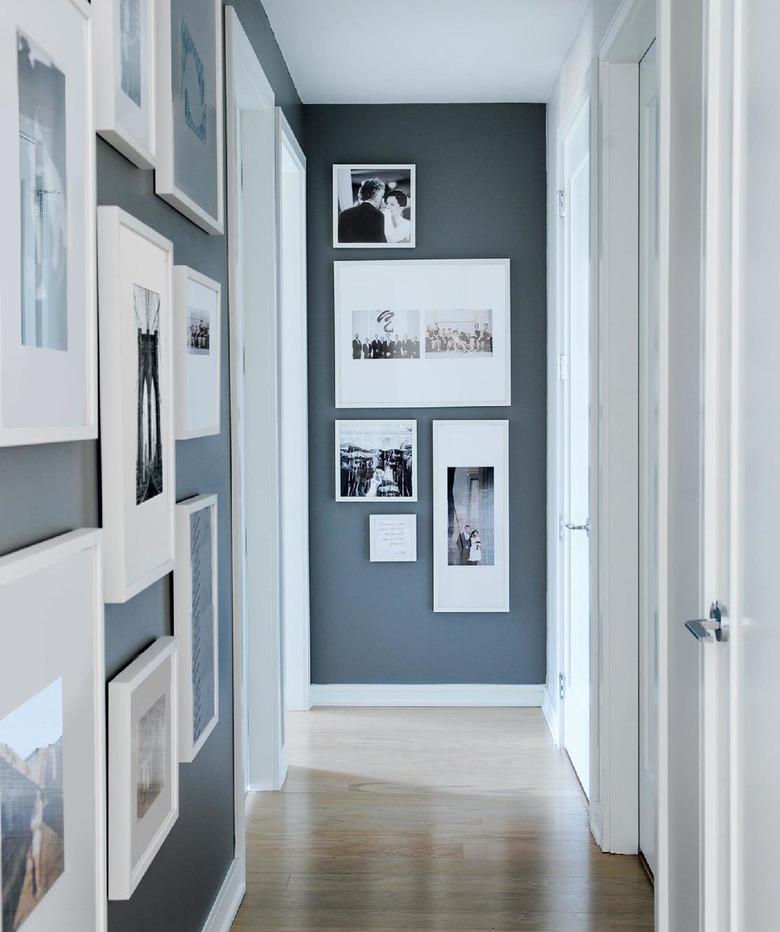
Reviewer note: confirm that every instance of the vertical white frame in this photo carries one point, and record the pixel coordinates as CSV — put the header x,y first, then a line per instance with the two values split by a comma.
x,y
182,621
293,421
165,180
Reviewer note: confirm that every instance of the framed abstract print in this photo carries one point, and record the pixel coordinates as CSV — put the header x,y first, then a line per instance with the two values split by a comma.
x,y
52,737
196,622
376,460
197,350
136,407
471,516
125,81
143,765
190,164
374,207
48,332
423,333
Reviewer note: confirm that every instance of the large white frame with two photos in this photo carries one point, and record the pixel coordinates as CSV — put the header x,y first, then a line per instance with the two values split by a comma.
x,y
139,537
350,167
423,286
166,183
131,129
189,745
388,425
133,841
482,444
51,623
49,395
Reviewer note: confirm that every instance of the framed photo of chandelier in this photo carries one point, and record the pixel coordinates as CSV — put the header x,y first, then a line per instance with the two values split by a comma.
x,y
136,410
190,158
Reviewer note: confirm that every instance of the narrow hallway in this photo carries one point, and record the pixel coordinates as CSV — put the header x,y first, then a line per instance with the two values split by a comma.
x,y
448,819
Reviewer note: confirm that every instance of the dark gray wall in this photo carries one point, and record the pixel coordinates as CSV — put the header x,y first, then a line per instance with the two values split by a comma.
x,y
50,489
481,194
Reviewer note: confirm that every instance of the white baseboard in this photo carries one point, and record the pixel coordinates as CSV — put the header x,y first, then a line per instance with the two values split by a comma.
x,y
454,694
228,900
596,823
550,709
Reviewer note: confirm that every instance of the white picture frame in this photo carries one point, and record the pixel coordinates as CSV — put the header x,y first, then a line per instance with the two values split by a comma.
x,y
48,314
393,538
191,140
347,181
372,461
196,622
398,306
143,765
125,78
52,705
477,452
197,357
137,410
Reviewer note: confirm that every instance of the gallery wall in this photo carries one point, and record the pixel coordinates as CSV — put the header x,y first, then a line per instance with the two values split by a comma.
x,y
45,490
481,185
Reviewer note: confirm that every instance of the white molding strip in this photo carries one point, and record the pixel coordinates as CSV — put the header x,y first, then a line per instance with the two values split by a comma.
x,y
550,710
447,694
225,907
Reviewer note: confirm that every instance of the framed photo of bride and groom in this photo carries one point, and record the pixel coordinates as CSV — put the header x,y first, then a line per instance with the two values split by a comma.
x,y
374,207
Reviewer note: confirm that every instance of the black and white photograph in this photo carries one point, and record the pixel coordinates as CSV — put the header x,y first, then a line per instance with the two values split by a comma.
x,y
199,332
458,334
130,49
201,558
386,334
375,460
43,197
471,516
151,744
149,457
374,206
32,806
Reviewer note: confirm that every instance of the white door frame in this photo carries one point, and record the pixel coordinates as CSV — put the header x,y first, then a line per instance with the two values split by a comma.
x,y
294,438
251,119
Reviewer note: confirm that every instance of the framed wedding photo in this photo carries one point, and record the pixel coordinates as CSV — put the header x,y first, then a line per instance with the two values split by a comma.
x,y
143,765
374,207
423,333
48,330
136,409
471,516
125,80
196,622
197,351
376,460
52,737
190,160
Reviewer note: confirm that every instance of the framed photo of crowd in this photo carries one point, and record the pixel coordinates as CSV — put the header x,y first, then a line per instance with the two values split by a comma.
x,y
374,207
376,461
422,333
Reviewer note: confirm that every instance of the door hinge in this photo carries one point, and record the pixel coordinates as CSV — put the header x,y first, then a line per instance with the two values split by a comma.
x,y
563,367
562,685
561,203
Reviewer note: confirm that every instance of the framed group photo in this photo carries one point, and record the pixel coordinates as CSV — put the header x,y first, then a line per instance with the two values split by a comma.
x,y
471,516
374,207
376,460
422,333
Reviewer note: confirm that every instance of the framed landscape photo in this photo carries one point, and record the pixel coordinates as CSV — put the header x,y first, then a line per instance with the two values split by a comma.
x,y
143,765
376,460
125,81
374,207
197,350
52,737
48,331
471,516
393,538
136,411
196,622
423,333
190,160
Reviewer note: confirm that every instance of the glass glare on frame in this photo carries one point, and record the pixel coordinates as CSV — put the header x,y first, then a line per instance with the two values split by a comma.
x,y
42,178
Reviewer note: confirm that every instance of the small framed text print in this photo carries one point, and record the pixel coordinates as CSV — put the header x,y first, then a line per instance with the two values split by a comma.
x,y
374,207
393,538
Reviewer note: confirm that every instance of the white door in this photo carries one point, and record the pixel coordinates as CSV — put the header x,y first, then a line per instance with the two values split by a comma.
x,y
575,534
649,439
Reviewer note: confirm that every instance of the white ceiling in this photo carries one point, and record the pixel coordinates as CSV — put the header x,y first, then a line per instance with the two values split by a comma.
x,y
424,51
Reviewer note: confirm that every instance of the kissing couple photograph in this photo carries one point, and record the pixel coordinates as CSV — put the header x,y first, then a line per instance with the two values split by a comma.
x,y
373,206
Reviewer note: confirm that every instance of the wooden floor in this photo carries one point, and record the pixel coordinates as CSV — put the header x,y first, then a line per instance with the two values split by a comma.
x,y
447,819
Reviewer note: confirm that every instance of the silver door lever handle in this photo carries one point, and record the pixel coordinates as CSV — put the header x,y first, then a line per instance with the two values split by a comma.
x,y
579,527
